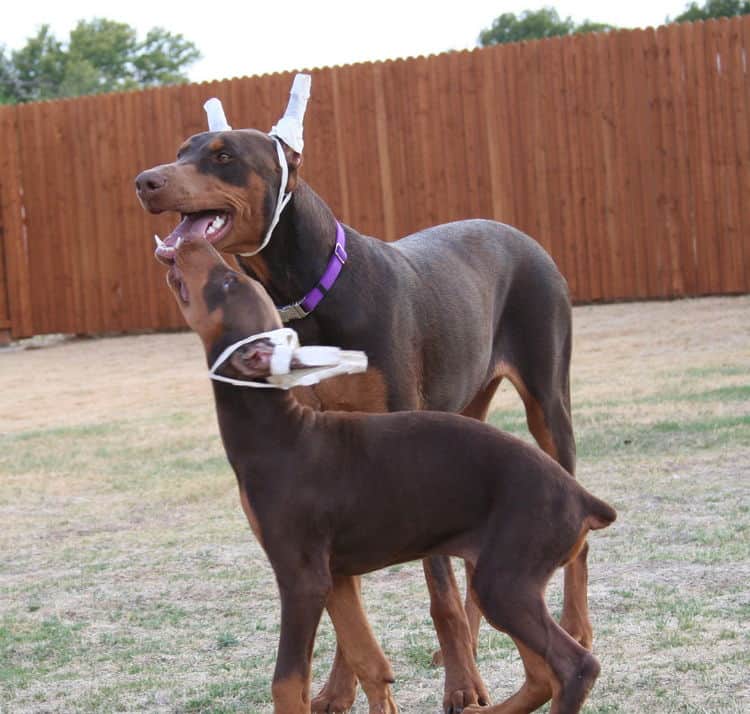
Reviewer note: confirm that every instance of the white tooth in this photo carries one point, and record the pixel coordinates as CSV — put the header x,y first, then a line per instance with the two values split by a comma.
x,y
178,243
159,241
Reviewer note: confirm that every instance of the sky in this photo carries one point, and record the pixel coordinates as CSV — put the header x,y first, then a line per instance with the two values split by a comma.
x,y
247,38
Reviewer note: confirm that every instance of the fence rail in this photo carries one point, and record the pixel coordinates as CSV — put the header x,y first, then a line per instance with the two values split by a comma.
x,y
626,155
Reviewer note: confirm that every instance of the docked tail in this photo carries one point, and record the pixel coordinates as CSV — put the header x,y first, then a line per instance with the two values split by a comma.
x,y
600,515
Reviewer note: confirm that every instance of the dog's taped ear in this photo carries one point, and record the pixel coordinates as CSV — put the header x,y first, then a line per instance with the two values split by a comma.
x,y
294,161
253,360
290,127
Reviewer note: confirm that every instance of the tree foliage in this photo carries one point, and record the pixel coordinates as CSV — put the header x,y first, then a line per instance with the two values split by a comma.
x,y
100,56
714,9
535,25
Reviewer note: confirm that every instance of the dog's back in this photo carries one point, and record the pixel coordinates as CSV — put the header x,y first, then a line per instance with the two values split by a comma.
x,y
437,482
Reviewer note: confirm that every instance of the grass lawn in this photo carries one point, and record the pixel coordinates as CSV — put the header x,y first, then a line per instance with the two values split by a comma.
x,y
130,581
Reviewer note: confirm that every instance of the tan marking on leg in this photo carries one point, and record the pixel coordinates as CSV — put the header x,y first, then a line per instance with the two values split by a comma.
x,y
534,414
478,407
291,695
473,613
252,519
359,646
575,618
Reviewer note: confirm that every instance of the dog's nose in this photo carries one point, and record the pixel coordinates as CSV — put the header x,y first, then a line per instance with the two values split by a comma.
x,y
150,181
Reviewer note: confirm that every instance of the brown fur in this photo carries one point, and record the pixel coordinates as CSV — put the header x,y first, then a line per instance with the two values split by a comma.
x,y
512,512
437,312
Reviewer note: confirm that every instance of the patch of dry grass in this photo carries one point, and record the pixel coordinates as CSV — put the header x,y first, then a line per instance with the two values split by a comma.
x,y
129,580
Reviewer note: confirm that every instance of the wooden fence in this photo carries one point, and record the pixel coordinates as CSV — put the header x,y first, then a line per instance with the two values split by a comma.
x,y
627,155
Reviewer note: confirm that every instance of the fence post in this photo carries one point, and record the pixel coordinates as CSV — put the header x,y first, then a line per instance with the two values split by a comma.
x,y
14,263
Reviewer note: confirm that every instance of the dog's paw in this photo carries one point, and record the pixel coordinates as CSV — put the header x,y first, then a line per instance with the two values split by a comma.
x,y
386,706
329,702
468,699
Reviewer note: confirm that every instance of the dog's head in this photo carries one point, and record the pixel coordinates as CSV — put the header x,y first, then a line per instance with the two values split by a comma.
x,y
222,305
225,186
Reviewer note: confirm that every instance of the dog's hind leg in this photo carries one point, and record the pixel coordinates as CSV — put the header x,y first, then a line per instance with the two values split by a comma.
x,y
478,408
556,665
544,387
358,645
463,683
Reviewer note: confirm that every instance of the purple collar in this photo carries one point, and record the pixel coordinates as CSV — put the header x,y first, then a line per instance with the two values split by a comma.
x,y
302,308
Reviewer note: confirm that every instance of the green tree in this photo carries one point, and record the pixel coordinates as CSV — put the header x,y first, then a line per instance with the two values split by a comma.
x,y
7,78
37,68
535,25
713,9
100,56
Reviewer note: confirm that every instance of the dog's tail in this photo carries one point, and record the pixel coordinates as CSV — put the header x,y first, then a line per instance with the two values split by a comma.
x,y
600,514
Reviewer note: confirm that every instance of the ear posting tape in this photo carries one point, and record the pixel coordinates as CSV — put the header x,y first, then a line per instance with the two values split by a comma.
x,y
289,127
215,114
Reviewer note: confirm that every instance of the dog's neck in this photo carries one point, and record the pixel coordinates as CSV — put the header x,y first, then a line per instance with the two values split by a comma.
x,y
257,425
297,254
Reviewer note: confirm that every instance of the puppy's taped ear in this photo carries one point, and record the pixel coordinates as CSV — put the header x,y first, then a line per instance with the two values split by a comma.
x,y
253,359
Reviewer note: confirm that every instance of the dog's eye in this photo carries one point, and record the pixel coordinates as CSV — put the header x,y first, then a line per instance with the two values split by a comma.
x,y
223,158
229,282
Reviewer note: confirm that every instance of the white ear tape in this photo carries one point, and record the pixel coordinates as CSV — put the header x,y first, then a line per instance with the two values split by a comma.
x,y
215,113
289,127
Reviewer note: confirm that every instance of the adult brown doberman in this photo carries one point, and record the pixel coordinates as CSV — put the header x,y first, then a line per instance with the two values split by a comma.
x,y
444,315
330,495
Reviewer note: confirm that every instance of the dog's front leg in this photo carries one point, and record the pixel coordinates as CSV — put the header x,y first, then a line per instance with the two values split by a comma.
x,y
463,683
359,646
303,597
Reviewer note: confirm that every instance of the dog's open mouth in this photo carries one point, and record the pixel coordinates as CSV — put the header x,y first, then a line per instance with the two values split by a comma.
x,y
211,225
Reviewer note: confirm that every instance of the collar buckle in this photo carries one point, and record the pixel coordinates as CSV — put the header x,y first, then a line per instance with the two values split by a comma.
x,y
340,253
295,311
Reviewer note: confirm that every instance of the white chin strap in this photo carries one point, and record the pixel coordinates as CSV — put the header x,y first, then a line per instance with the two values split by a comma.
x,y
281,200
311,364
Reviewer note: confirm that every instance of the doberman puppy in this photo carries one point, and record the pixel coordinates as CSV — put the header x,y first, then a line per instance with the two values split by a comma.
x,y
330,495
409,305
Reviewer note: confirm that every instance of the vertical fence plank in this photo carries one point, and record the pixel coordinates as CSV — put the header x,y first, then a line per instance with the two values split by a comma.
x,y
740,100
508,133
684,283
384,158
708,261
576,274
732,278
662,187
591,151
13,236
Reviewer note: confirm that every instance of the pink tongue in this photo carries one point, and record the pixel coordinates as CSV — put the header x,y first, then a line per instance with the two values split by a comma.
x,y
193,226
